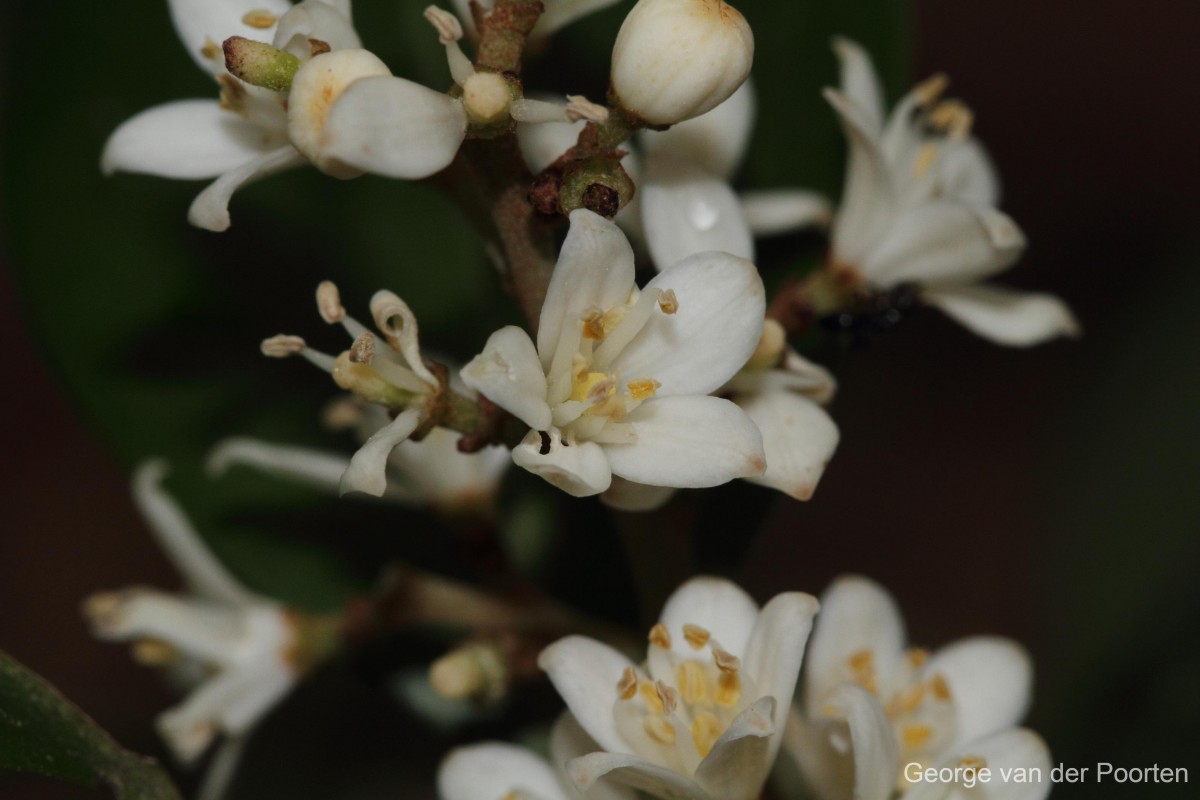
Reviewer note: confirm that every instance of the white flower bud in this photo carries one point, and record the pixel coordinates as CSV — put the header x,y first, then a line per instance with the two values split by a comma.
x,y
317,84
676,59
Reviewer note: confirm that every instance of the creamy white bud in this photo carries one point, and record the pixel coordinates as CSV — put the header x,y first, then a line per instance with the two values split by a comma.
x,y
317,84
676,59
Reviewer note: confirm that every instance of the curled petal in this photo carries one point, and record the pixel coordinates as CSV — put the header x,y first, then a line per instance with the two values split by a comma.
x,y
859,82
774,652
1005,316
210,209
509,374
635,773
686,210
585,673
367,472
868,204
185,139
740,760
944,242
595,268
314,468
568,741
393,127
716,328
315,19
580,470
688,442
493,770
798,439
849,750
796,374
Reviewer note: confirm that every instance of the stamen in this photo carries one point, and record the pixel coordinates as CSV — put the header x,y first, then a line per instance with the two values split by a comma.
x,y
211,50
628,685
913,737
972,764
448,28
726,661
659,729
632,323
642,390
282,346
924,160
260,19
729,681
102,607
154,653
953,117
706,729
660,636
649,693
862,664
917,657
668,302
696,636
329,302
667,696
939,687
580,108
363,349
593,327
930,89
693,683
907,702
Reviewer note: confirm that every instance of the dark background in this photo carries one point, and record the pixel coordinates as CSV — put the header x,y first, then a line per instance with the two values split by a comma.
x,y
1049,494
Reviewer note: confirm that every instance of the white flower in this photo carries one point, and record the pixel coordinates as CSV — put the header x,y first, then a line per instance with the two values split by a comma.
x,y
497,770
240,646
617,384
687,205
870,707
244,135
703,718
919,206
400,129
675,59
394,376
429,472
558,14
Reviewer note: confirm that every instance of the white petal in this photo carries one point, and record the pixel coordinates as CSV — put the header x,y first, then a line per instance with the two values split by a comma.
x,y
774,653
585,673
796,374
991,683
686,210
859,81
509,374
563,12
715,140
774,211
688,442
1005,316
798,439
1012,757
944,241
447,478
864,761
595,268
719,606
315,19
492,770
210,209
367,472
636,773
542,144
205,575
626,495
740,760
538,112
393,127
313,468
185,139
867,205
966,174
580,470
712,334
200,21
856,614
568,741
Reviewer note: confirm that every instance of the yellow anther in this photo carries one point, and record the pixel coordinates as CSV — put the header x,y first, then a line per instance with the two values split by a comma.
x,y
706,729
659,729
154,653
939,687
612,318
510,796
260,19
696,636
973,763
660,636
917,657
627,686
770,346
729,687
862,662
649,693
593,323
726,661
693,683
329,302
668,302
667,696
211,50
907,702
641,390
924,160
931,88
913,737
582,388
953,117
233,93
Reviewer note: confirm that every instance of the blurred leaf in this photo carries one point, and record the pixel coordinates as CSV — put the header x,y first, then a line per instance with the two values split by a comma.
x,y
41,732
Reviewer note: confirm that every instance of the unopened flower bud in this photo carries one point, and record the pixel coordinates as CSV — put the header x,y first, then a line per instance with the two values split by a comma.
x,y
317,84
475,671
676,59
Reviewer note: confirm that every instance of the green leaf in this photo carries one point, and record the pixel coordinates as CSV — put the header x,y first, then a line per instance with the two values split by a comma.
x,y
41,732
